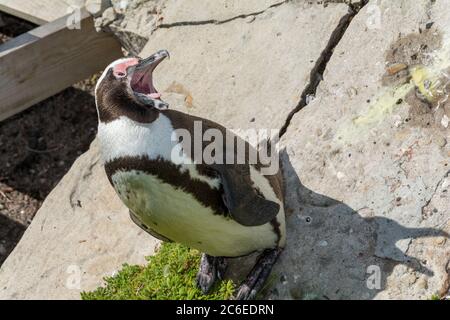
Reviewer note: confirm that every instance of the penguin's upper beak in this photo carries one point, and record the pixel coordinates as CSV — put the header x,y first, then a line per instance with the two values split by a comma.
x,y
151,62
142,77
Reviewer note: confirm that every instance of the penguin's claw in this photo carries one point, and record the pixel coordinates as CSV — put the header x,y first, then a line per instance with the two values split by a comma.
x,y
259,274
245,293
205,281
211,269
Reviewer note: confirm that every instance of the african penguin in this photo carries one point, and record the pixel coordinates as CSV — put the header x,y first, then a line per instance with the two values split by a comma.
x,y
223,210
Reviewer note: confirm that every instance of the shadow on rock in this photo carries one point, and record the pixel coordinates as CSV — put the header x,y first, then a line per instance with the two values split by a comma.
x,y
333,252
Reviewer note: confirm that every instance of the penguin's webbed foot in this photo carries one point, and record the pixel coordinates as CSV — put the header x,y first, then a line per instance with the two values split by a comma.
x,y
211,269
259,274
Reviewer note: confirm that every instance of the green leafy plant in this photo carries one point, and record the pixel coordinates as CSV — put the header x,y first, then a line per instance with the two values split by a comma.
x,y
435,297
169,275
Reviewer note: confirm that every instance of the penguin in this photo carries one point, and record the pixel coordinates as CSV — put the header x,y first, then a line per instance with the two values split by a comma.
x,y
224,210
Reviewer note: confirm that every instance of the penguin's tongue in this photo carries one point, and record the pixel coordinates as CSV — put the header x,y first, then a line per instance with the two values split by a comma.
x,y
142,82
156,95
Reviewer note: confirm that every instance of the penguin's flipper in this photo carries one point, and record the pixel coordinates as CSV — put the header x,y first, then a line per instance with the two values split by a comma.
x,y
246,203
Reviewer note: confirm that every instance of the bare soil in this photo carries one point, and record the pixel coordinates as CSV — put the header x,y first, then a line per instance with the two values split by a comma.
x,y
38,146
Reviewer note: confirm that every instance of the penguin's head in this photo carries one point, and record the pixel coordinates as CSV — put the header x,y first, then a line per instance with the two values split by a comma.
x,y
128,82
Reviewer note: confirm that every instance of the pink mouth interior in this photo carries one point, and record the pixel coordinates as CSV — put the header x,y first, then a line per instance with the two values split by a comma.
x,y
142,82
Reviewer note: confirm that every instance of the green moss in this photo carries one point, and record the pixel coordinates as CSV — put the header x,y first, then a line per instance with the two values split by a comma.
x,y
435,297
170,274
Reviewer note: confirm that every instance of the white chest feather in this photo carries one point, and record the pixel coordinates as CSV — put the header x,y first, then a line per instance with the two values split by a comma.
x,y
177,215
127,138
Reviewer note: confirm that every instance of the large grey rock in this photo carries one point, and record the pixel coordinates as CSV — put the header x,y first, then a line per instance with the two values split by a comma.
x,y
81,234
366,161
96,7
134,21
244,73
131,21
231,72
367,166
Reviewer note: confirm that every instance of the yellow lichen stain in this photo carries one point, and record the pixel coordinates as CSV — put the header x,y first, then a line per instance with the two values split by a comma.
x,y
430,81
402,134
427,81
359,127
384,105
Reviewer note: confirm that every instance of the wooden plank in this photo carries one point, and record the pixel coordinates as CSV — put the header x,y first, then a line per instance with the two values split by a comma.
x,y
36,11
50,58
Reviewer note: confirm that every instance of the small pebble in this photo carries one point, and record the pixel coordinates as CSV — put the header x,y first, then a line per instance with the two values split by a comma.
x,y
309,98
352,92
340,175
440,141
395,68
109,15
397,121
250,19
410,278
323,243
422,283
439,241
444,121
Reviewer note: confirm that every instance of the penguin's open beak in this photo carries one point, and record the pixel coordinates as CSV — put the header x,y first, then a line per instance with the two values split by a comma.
x,y
142,77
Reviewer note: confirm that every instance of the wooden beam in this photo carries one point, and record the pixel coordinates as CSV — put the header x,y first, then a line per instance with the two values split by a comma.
x,y
36,11
50,58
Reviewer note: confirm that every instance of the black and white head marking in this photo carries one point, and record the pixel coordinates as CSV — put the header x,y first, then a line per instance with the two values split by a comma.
x,y
126,89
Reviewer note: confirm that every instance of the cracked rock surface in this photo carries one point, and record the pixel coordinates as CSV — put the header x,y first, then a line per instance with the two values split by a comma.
x,y
361,99
193,11
252,71
370,179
